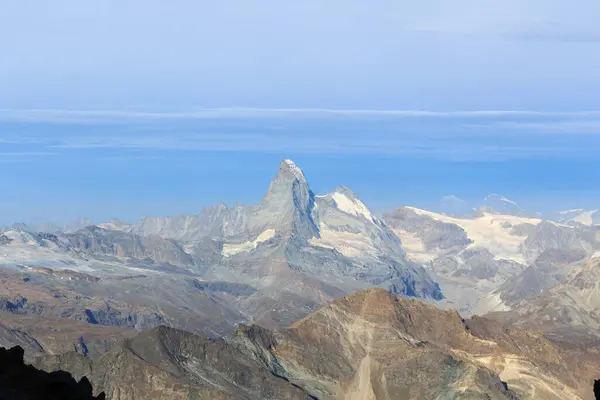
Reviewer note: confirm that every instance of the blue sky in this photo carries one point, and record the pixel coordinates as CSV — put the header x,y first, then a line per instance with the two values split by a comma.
x,y
112,108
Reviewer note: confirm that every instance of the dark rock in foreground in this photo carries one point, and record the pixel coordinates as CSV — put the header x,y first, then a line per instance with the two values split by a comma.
x,y
19,381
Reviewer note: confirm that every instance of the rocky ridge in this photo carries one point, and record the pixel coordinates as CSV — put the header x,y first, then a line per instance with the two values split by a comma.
x,y
367,345
19,381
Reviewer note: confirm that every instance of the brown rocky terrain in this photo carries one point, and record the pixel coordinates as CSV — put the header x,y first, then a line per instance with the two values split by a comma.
x,y
367,345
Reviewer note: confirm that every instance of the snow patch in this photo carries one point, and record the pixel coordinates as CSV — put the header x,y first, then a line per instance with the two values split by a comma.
x,y
559,224
490,231
231,249
414,247
353,245
351,206
114,226
490,304
585,218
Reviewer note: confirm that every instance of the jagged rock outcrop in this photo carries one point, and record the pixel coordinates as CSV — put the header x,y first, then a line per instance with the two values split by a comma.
x,y
19,381
100,242
10,337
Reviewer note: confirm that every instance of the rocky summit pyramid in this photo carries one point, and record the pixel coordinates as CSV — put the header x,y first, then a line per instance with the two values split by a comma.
x,y
370,345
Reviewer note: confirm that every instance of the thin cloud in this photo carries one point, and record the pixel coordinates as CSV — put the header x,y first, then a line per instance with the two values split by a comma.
x,y
108,116
556,32
481,139
568,126
26,154
465,148
132,158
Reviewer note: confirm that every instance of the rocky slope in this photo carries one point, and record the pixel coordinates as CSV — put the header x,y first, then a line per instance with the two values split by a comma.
x,y
368,345
62,309
171,364
102,243
568,311
10,337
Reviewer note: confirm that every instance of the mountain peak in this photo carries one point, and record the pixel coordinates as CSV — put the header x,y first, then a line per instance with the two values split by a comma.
x,y
289,168
346,191
289,201
382,308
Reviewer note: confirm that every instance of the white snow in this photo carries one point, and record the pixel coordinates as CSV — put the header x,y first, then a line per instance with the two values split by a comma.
x,y
112,226
585,218
558,224
490,231
353,245
351,206
230,249
489,304
414,247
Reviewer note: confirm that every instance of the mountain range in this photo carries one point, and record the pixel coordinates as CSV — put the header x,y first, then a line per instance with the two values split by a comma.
x,y
260,284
